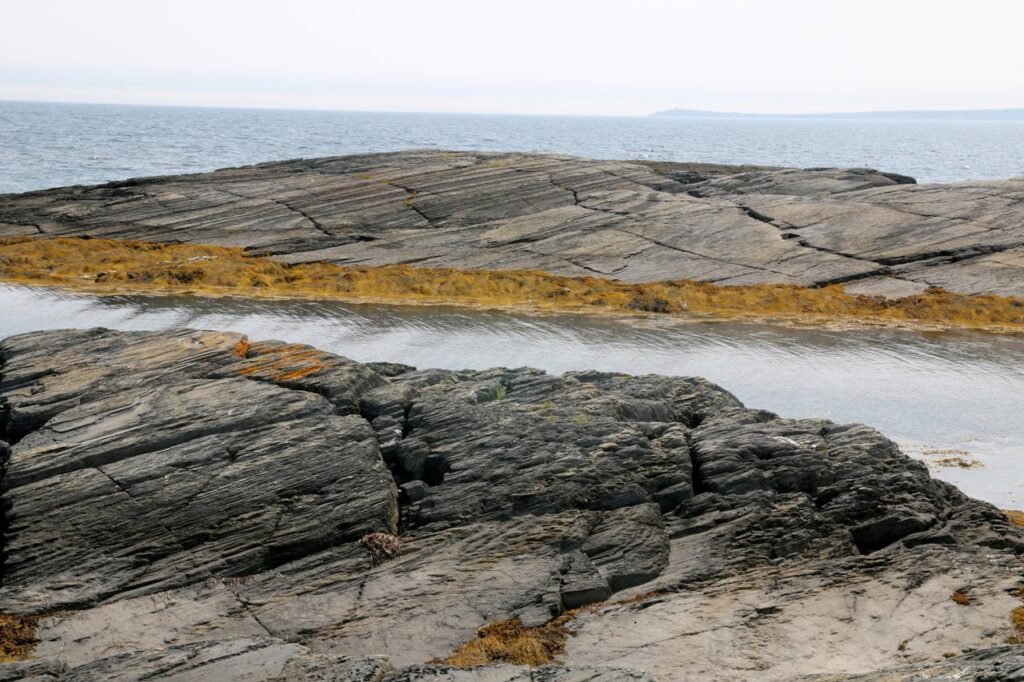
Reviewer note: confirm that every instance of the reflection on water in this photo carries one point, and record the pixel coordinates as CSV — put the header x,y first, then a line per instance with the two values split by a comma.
x,y
935,391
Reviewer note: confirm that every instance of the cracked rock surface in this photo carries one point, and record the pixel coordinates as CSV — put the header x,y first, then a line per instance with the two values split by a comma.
x,y
190,505
634,221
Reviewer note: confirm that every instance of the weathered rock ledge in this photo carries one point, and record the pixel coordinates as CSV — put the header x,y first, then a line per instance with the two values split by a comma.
x,y
638,222
189,505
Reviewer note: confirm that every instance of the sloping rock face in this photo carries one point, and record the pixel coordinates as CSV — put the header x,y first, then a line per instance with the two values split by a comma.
x,y
190,505
631,221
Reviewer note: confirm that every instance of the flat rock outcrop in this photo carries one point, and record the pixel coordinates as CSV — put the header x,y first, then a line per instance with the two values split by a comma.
x,y
878,232
193,505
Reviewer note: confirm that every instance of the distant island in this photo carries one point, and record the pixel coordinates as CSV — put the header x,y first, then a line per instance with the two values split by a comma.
x,y
921,115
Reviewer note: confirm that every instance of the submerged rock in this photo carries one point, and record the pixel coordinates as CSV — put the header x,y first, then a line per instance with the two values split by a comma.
x,y
634,221
191,505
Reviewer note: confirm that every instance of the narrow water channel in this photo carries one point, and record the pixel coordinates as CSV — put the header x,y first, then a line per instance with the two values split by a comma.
x,y
941,396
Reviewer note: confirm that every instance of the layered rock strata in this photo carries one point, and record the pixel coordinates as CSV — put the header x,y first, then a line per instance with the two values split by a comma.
x,y
193,505
877,232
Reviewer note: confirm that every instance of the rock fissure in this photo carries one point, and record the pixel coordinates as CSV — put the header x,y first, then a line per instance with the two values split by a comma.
x,y
952,255
281,202
248,607
312,221
785,230
751,213
566,188
679,249
119,486
578,263
410,203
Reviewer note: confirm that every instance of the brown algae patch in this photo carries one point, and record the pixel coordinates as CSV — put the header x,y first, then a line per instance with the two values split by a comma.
x,y
962,598
114,266
1017,623
17,636
509,641
281,364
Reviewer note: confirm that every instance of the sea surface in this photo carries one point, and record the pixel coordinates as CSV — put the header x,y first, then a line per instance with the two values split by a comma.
x,y
50,145
939,395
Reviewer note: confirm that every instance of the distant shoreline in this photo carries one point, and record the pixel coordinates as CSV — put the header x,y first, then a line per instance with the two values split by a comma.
x,y
908,115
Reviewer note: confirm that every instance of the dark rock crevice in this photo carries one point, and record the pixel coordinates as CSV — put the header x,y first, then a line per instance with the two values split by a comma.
x,y
312,221
583,266
751,213
696,479
787,232
952,255
410,203
284,204
566,188
856,277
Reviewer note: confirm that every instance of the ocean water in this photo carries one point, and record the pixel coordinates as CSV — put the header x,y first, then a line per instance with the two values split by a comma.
x,y
49,145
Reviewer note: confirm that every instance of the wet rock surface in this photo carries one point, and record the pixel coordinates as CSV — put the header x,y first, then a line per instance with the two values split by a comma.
x,y
634,221
193,505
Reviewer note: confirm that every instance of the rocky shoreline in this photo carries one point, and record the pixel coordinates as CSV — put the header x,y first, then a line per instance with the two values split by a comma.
x,y
878,233
196,505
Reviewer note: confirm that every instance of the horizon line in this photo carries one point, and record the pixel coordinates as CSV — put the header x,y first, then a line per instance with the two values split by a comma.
x,y
860,112
317,109
663,113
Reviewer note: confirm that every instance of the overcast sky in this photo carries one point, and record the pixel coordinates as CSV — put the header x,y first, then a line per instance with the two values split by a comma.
x,y
627,57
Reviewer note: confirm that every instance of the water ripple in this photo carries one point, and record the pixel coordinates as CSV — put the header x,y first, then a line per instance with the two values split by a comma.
x,y
929,391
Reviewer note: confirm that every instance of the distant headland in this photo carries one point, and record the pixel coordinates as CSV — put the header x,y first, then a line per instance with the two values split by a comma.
x,y
907,115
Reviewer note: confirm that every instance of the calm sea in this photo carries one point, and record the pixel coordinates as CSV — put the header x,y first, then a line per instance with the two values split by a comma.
x,y
47,145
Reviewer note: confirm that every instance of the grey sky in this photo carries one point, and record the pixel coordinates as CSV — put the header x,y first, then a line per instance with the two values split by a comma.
x,y
526,56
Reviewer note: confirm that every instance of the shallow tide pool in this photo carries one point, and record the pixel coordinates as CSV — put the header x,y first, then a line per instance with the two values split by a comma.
x,y
941,396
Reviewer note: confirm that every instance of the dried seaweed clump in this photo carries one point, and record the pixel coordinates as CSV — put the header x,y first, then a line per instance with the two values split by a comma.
x,y
509,641
1017,617
962,598
17,636
382,546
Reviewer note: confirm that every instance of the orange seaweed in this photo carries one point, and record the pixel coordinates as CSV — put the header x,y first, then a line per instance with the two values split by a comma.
x,y
105,265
